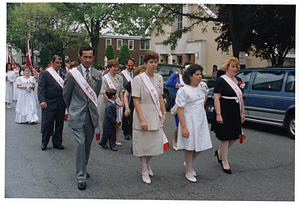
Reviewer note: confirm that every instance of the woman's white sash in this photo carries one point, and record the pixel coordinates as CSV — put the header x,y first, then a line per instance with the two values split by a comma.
x,y
127,75
181,80
84,85
155,98
118,100
236,89
56,77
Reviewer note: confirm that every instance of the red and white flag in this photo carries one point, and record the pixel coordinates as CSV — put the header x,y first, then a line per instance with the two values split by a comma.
x,y
28,56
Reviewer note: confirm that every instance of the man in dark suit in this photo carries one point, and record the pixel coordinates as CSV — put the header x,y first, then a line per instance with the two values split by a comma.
x,y
127,75
109,122
83,112
52,103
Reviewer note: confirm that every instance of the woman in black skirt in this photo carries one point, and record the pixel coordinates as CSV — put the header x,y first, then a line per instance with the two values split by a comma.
x,y
229,107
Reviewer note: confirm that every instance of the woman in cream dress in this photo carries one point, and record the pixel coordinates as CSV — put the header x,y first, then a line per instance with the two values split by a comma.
x,y
147,125
10,79
118,84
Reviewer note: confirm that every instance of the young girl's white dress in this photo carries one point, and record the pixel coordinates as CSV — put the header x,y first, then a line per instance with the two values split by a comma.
x,y
15,89
192,100
26,110
10,76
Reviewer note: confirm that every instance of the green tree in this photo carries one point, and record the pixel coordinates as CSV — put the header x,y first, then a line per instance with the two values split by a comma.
x,y
48,28
109,52
124,54
133,19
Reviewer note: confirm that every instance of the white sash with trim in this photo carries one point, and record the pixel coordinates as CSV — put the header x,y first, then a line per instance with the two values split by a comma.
x,y
84,85
239,95
118,100
127,75
56,76
155,99
181,80
236,89
60,82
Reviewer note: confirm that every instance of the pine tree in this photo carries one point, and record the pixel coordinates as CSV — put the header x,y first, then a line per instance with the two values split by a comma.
x,y
109,52
124,54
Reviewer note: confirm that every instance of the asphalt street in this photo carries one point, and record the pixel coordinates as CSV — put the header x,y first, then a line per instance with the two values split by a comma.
x,y
263,169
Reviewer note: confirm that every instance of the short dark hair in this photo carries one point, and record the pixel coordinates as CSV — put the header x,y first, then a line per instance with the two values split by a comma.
x,y
150,55
110,92
56,57
190,71
85,48
10,66
215,66
129,59
68,61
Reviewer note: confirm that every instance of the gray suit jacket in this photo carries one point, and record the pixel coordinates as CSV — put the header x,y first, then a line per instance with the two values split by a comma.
x,y
77,102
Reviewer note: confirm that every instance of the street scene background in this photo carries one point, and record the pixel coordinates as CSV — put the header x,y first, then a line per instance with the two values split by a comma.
x,y
263,169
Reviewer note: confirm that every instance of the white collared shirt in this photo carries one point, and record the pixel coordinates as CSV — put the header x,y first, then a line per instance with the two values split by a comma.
x,y
84,71
113,102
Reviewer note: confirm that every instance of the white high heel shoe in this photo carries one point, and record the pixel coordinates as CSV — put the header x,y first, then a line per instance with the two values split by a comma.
x,y
150,172
191,179
147,181
194,173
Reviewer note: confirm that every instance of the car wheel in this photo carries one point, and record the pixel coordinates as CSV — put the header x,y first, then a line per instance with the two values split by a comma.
x,y
290,126
167,101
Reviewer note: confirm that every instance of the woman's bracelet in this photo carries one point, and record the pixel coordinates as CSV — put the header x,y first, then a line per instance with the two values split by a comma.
x,y
218,113
164,112
142,119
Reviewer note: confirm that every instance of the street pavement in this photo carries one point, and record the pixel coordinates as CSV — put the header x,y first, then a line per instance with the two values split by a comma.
x,y
263,169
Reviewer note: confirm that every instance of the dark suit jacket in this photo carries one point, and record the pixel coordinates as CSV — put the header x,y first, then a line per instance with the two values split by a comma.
x,y
110,116
77,102
49,91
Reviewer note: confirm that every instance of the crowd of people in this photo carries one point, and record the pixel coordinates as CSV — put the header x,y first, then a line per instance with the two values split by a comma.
x,y
131,98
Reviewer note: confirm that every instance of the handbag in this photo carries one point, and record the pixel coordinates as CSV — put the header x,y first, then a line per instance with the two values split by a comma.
x,y
173,110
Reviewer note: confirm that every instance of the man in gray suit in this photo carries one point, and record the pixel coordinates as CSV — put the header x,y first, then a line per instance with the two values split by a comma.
x,y
83,113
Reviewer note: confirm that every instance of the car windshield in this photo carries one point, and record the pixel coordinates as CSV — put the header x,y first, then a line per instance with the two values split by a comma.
x,y
166,70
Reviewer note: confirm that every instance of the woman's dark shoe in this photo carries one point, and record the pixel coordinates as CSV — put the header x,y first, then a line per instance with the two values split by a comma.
x,y
216,154
227,171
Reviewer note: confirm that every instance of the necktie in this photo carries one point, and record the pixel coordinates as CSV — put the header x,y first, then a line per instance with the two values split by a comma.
x,y
88,78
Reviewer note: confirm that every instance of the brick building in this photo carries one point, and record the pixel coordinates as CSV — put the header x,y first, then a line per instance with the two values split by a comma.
x,y
137,45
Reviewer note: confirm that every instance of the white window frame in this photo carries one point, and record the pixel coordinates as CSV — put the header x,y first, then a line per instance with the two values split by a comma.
x,y
132,44
118,48
108,43
145,45
141,60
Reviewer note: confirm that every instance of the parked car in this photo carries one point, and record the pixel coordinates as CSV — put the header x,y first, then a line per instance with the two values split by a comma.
x,y
269,96
166,70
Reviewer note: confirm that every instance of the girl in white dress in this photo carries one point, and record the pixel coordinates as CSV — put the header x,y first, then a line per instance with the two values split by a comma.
x,y
193,131
9,79
15,89
26,110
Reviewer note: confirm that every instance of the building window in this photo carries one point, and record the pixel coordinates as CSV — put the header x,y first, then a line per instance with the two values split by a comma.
x,y
141,62
131,44
180,19
119,43
145,45
108,41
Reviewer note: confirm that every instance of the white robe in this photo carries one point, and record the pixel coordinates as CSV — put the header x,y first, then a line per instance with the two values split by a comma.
x,y
10,76
26,110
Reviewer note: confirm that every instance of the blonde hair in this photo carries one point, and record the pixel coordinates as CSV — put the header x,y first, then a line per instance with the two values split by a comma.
x,y
74,64
139,69
228,62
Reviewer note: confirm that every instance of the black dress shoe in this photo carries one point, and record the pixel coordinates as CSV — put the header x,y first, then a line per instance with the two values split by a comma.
x,y
81,185
87,175
44,147
227,171
127,137
103,145
216,154
58,147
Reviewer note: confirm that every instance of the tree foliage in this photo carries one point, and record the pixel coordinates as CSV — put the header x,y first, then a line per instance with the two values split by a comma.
x,y
130,19
48,28
109,52
268,31
124,54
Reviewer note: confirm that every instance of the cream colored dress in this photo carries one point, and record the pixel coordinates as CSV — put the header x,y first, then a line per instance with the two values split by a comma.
x,y
147,142
118,82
